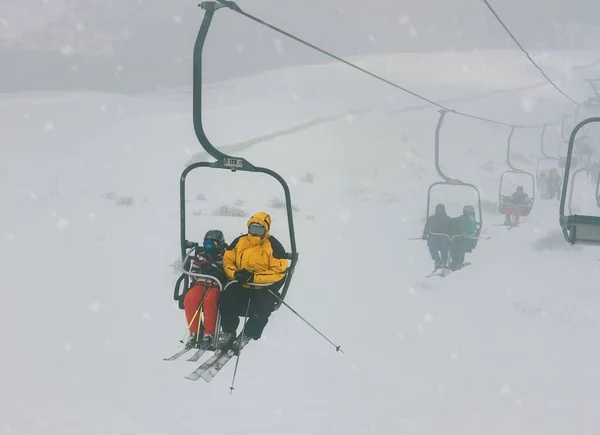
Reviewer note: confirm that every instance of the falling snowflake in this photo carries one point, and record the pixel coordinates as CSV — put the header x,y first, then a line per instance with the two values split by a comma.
x,y
528,104
345,215
94,306
428,318
506,389
145,316
412,291
92,216
413,31
349,118
63,224
404,19
10,236
278,46
68,346
66,49
177,19
48,126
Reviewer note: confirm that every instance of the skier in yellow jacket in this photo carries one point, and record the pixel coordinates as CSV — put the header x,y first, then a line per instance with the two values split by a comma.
x,y
253,258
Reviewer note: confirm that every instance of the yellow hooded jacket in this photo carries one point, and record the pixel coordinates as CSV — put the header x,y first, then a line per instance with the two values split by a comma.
x,y
264,256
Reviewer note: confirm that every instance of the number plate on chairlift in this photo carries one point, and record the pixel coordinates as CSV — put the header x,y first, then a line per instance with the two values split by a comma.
x,y
230,162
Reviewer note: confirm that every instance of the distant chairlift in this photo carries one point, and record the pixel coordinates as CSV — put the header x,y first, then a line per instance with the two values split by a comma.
x,y
504,201
452,182
578,229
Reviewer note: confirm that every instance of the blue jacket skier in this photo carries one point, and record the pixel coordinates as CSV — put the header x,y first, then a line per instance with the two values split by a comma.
x,y
465,227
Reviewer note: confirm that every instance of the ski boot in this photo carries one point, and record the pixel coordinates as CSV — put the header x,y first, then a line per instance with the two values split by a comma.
x,y
238,344
192,341
206,342
225,341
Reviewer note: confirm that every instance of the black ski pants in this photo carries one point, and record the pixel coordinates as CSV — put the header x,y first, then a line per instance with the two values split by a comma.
x,y
234,301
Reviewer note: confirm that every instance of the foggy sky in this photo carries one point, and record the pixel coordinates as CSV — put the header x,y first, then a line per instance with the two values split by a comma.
x,y
141,45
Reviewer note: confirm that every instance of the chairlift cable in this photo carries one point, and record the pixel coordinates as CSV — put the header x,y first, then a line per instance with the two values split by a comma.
x,y
527,54
234,7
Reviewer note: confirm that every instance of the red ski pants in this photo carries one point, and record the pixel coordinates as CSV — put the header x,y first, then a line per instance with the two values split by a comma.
x,y
513,209
191,302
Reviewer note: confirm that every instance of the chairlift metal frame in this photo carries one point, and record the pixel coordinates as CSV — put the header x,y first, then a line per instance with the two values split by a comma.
x,y
501,204
451,181
577,229
223,161
545,158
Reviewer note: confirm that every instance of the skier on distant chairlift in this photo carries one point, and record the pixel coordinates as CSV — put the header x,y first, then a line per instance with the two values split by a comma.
x,y
465,227
438,231
554,184
518,203
543,184
203,291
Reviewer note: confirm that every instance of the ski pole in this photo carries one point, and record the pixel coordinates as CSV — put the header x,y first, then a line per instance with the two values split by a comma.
x,y
237,360
200,305
337,348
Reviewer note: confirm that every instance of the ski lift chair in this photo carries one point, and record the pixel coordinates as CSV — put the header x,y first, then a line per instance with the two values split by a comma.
x,y
577,229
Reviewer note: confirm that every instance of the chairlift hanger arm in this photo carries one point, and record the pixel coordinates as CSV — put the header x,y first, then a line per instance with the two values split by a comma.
x,y
542,144
508,144
210,8
437,151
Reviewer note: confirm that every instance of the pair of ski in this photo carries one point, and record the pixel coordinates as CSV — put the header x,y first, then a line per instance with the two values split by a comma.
x,y
209,368
446,271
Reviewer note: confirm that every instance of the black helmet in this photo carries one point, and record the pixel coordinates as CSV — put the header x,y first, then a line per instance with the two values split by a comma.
x,y
440,209
214,240
520,189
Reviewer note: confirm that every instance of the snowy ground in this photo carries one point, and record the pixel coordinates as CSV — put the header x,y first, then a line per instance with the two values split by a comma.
x,y
89,235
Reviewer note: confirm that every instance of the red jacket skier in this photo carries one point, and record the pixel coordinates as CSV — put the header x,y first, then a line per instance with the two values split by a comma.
x,y
200,302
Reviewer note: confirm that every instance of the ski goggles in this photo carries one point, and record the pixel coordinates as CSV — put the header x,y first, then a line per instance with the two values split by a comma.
x,y
257,230
210,244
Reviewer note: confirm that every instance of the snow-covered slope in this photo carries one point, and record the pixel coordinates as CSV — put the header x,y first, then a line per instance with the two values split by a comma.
x,y
89,187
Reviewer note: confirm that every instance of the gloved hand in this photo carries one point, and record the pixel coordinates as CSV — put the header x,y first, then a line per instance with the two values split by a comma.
x,y
243,276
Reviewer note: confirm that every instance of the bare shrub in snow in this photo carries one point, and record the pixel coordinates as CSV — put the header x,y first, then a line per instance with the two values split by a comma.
x,y
226,210
487,167
308,178
280,204
110,195
201,197
310,217
177,266
125,200
554,241
239,202
197,212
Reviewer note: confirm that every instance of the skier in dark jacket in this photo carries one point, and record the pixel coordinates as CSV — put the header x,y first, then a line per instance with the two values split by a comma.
x,y
438,232
519,201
